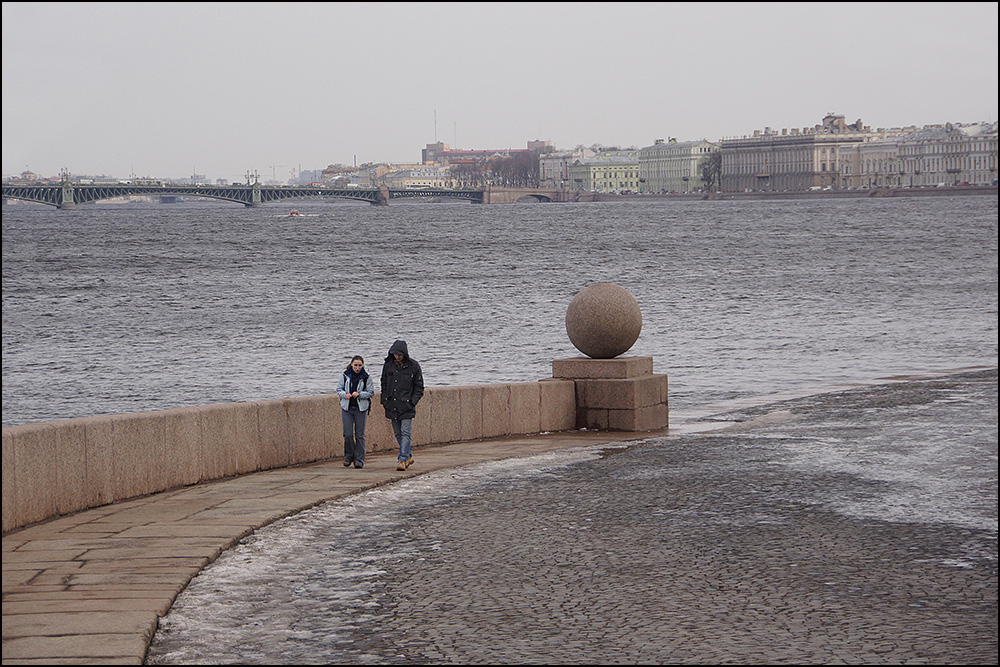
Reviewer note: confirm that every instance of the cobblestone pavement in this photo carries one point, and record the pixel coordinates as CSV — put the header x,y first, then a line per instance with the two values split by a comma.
x,y
757,544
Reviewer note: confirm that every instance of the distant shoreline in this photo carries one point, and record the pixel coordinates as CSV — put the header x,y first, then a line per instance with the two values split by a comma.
x,y
588,197
805,194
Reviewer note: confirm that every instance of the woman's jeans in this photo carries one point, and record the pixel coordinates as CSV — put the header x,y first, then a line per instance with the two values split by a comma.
x,y
401,429
354,434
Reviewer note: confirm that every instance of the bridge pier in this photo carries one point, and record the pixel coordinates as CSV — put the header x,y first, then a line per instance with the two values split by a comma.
x,y
66,201
255,198
383,196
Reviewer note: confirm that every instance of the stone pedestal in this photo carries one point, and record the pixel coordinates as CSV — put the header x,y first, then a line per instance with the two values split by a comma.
x,y
621,394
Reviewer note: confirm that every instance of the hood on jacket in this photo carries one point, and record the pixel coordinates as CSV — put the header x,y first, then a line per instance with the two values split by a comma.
x,y
399,347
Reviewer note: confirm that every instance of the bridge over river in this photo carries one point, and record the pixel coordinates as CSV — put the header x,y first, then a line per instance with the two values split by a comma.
x,y
67,195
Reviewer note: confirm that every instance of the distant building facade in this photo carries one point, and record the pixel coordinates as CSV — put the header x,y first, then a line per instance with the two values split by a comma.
x,y
793,160
29,176
949,154
442,154
372,175
424,176
673,166
871,164
553,168
334,172
608,171
429,154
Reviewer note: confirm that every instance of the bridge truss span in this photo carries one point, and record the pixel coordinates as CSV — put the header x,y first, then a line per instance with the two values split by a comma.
x,y
474,196
69,195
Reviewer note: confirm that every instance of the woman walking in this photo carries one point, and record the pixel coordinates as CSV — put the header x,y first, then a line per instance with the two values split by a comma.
x,y
355,389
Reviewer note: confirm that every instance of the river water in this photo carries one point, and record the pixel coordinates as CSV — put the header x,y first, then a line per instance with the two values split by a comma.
x,y
116,308
835,518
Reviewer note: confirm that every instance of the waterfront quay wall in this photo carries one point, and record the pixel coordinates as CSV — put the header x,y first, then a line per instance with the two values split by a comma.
x,y
59,467
944,191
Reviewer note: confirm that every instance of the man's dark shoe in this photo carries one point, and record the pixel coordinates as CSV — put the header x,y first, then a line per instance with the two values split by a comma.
x,y
347,463
359,464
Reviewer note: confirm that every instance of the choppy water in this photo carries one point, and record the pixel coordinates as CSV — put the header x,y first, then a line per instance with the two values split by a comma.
x,y
121,308
118,308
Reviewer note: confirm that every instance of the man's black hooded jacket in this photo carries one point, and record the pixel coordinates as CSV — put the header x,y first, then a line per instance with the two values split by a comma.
x,y
402,383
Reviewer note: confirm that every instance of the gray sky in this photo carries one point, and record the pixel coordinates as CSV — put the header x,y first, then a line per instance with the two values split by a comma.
x,y
161,89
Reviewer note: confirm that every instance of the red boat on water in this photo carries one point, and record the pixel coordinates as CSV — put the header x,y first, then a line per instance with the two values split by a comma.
x,y
294,212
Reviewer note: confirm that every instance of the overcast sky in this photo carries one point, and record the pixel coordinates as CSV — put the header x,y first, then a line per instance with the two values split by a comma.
x,y
162,89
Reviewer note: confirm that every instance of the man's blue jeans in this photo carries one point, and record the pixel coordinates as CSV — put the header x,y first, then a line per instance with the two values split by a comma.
x,y
401,429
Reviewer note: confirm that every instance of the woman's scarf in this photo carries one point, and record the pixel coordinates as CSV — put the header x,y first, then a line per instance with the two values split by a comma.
x,y
356,378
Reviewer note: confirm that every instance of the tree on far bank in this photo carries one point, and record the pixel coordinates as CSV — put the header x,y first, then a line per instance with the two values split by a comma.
x,y
711,170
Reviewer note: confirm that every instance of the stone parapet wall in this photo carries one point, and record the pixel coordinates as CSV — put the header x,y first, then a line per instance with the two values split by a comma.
x,y
59,467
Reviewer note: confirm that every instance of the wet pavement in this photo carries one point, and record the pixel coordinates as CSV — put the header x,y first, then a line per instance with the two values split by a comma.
x,y
90,588
852,527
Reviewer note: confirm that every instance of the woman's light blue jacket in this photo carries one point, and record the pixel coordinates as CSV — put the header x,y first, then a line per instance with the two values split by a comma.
x,y
365,392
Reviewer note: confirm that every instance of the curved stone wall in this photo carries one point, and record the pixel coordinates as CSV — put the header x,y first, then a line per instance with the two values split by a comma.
x,y
60,467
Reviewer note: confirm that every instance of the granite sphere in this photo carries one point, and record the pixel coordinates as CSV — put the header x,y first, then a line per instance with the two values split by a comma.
x,y
603,321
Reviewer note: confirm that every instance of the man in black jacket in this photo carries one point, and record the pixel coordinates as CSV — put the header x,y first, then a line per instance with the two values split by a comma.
x,y
402,387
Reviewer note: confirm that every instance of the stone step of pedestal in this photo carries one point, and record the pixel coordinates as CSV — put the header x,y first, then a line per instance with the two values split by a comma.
x,y
618,368
649,418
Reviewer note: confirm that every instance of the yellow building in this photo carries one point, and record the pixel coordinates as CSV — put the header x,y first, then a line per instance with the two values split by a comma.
x,y
609,171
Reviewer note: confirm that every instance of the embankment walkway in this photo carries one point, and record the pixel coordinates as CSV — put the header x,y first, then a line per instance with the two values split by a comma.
x,y
89,588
